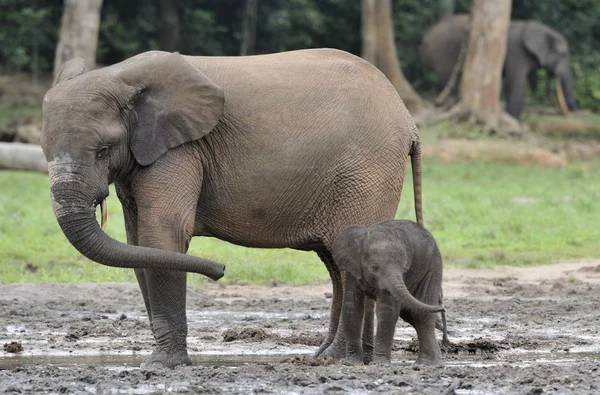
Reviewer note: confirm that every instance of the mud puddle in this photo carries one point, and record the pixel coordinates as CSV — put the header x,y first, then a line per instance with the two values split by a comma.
x,y
134,360
513,331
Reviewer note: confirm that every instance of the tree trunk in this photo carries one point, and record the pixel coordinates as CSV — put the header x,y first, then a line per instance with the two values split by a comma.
x,y
482,74
169,31
78,32
17,156
387,58
369,31
249,28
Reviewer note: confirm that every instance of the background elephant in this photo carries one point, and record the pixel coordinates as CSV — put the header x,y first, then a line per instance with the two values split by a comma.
x,y
531,45
272,151
398,264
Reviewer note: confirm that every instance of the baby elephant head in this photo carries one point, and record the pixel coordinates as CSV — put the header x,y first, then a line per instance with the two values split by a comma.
x,y
377,259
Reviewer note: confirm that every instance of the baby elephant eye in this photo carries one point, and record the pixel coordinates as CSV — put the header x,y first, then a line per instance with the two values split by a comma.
x,y
102,153
375,268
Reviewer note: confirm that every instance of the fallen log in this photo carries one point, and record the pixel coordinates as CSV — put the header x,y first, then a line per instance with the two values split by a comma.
x,y
18,156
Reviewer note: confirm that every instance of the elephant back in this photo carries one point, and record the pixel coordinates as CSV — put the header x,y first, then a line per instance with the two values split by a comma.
x,y
441,45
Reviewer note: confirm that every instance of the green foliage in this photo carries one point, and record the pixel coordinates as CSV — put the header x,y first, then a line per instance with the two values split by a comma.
x,y
28,31
213,27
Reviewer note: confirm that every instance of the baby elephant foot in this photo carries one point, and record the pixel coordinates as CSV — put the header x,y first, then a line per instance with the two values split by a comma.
x,y
166,359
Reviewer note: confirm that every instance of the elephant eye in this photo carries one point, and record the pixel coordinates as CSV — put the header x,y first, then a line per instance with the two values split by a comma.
x,y
375,268
102,153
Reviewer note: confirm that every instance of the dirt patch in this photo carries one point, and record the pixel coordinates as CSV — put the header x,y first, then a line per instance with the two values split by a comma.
x,y
254,334
308,339
590,269
501,151
13,347
572,127
250,334
513,331
308,361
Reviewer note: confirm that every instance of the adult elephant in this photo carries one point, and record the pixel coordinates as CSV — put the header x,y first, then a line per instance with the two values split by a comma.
x,y
531,45
272,151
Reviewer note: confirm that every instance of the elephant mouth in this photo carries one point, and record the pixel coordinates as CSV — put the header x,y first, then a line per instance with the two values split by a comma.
x,y
103,211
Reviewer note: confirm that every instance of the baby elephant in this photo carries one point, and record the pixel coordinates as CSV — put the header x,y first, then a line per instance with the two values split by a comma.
x,y
398,264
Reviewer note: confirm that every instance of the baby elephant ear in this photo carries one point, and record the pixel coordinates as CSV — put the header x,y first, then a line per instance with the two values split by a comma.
x,y
347,250
174,103
70,69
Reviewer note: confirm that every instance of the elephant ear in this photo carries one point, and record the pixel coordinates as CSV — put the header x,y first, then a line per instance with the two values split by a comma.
x,y
348,252
545,44
70,69
174,103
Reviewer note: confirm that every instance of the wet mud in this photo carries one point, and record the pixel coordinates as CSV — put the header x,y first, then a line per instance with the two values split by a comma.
x,y
513,331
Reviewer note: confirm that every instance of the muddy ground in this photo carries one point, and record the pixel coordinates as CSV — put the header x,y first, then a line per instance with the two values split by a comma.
x,y
514,331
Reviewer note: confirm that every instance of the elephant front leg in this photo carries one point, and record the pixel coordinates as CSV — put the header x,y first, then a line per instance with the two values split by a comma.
x,y
387,317
166,208
368,332
131,223
165,297
166,291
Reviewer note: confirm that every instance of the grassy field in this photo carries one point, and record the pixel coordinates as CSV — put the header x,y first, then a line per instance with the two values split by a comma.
x,y
482,214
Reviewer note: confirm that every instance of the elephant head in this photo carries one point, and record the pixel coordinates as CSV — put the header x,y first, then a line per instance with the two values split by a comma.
x,y
551,51
100,125
377,259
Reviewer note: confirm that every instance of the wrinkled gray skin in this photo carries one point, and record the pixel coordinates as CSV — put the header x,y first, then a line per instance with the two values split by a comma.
x,y
271,151
397,264
531,45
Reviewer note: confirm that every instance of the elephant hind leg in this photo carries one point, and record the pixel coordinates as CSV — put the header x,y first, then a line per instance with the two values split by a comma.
x,y
334,344
429,349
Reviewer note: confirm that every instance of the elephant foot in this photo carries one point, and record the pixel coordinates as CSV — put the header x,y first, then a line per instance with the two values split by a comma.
x,y
161,359
335,351
322,348
429,361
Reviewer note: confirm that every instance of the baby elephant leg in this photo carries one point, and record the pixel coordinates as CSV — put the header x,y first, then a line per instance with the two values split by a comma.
x,y
429,349
368,332
387,317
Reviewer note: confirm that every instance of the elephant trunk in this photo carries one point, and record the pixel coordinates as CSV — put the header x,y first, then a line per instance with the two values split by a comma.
x,y
406,300
76,215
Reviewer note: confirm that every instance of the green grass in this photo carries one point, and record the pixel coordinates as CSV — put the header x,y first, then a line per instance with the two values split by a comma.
x,y
481,214
486,214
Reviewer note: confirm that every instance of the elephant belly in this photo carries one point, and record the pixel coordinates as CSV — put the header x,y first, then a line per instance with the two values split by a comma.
x,y
295,210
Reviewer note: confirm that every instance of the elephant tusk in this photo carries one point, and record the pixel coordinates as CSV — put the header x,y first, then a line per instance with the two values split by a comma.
x,y
561,98
103,214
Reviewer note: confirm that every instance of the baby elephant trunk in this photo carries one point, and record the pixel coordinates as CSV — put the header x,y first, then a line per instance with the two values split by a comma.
x,y
409,302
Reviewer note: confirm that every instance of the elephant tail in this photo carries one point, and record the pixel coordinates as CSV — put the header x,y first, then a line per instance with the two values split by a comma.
x,y
415,160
